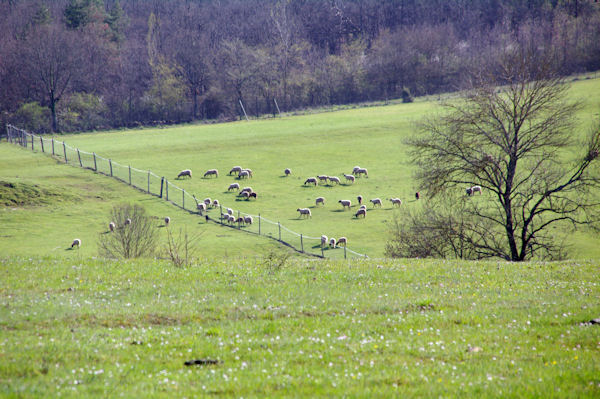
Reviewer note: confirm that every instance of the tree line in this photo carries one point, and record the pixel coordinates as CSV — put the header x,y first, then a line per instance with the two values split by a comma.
x,y
70,65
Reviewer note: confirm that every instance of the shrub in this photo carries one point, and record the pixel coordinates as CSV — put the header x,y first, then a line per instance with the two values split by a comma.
x,y
406,95
33,117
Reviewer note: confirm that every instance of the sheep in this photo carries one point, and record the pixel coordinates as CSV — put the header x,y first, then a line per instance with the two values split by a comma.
x,y
233,186
417,195
207,201
253,195
211,172
304,212
323,178
243,174
76,242
245,194
127,222
376,201
249,171
349,178
345,203
475,189
312,180
167,221
240,220
215,203
112,226
320,200
185,172
362,212
359,198
229,211
248,219
355,169
341,240
363,206
248,189
396,201
362,171
201,207
230,219
287,171
334,179
323,240
332,242
235,169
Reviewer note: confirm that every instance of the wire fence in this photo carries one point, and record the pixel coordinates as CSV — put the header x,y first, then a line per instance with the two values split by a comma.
x,y
149,182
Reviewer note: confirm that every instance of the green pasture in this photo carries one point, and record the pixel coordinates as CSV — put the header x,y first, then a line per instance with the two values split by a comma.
x,y
401,328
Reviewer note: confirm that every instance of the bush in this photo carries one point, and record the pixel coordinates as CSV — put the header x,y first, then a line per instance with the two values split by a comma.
x,y
33,117
406,96
134,240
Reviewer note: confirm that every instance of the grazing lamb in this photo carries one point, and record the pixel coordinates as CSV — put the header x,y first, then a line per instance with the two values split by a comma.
x,y
249,171
167,221
417,195
235,169
215,203
345,203
475,189
359,198
363,206
362,171
362,212
396,201
229,211
355,169
185,172
349,178
211,172
233,186
231,219
287,171
207,201
332,242
323,178
320,200
240,220
334,179
76,242
376,201
304,212
127,222
245,194
342,240
248,219
112,226
201,207
253,195
243,174
248,189
323,240
312,180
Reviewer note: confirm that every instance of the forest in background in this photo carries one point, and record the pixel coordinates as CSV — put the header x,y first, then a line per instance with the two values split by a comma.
x,y
74,65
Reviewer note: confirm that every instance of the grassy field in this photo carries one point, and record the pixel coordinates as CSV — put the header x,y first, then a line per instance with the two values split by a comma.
x,y
329,143
384,329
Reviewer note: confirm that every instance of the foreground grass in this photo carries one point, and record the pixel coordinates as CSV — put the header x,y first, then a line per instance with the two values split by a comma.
x,y
309,328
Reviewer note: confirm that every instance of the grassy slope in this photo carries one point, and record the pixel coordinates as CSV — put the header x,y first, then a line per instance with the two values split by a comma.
x,y
317,329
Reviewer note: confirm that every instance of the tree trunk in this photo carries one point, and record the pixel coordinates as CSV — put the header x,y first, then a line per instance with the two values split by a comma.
x,y
53,113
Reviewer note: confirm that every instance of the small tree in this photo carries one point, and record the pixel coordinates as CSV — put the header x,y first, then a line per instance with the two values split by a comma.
x,y
134,237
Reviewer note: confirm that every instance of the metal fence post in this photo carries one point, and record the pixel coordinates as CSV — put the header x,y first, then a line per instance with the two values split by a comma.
x,y
301,243
183,198
344,251
167,188
279,224
162,182
32,142
130,175
110,164
65,152
79,156
95,164
53,146
42,143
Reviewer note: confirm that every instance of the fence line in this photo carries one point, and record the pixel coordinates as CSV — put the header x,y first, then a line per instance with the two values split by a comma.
x,y
151,183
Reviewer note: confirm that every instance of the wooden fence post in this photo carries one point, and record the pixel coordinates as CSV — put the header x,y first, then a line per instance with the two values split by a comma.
x,y
167,188
162,182
148,182
53,146
32,142
42,143
95,164
110,164
279,224
183,198
130,175
79,156
344,251
65,152
301,243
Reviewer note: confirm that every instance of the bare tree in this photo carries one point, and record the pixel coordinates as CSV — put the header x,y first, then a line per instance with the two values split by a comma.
x,y
134,237
515,143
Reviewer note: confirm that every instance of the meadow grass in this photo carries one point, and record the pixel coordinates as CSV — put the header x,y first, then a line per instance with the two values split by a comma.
x,y
89,328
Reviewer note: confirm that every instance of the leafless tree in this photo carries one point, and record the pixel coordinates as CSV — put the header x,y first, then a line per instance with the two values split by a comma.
x,y
517,143
134,237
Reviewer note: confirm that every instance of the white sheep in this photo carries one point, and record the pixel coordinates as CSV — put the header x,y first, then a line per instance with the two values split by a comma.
x,y
233,186
211,172
362,171
76,242
249,171
207,201
127,222
245,194
345,203
363,206
248,189
376,201
287,171
167,221
201,207
231,219
355,169
112,226
323,178
235,169
341,240
312,180
240,220
248,219
475,189
243,174
304,212
396,201
332,242
334,179
323,240
229,211
349,178
185,172
362,212
215,203
320,200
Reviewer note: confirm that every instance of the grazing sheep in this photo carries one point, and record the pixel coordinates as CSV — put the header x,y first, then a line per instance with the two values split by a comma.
x,y
362,212
355,169
235,169
323,240
215,203
248,189
211,172
332,242
323,178
207,201
304,212
363,206
249,171
245,194
475,189
359,198
127,222
248,219
229,211
287,171
345,203
334,179
376,201
185,172
253,195
201,207
349,177
417,195
396,201
362,171
233,186
230,219
240,220
312,180
341,240
112,226
76,242
243,174
167,221
320,200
